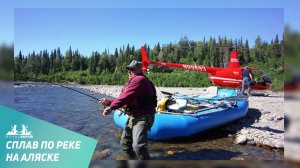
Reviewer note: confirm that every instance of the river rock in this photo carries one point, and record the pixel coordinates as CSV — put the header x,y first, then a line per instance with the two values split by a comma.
x,y
279,143
169,152
251,142
101,154
249,137
265,112
240,139
244,132
264,120
73,127
267,142
104,153
271,118
279,118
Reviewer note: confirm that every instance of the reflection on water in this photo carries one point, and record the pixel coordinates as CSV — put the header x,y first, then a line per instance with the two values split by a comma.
x,y
80,113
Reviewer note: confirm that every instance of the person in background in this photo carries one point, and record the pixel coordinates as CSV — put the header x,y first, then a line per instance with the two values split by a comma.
x,y
247,77
139,100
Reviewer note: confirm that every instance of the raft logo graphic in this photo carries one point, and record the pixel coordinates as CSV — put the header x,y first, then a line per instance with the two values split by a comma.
x,y
14,133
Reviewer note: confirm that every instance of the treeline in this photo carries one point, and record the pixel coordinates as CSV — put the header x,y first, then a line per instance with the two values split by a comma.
x,y
6,62
109,68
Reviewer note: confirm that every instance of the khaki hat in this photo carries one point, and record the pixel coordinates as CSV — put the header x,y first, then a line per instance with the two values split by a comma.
x,y
134,65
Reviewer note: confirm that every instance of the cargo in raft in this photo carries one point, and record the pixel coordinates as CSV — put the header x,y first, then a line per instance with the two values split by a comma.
x,y
181,116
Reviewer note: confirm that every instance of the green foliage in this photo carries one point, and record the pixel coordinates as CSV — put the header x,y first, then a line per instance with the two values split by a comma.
x,y
106,68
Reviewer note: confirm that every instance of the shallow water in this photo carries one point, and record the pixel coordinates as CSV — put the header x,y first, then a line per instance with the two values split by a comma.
x,y
80,113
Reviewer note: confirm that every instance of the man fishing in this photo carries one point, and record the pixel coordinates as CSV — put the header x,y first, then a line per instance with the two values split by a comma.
x,y
139,100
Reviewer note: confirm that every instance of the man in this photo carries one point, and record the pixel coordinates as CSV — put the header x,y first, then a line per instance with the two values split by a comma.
x,y
246,79
139,100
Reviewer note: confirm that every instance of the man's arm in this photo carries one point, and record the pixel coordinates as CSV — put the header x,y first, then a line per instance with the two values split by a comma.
x,y
107,102
251,77
250,74
129,93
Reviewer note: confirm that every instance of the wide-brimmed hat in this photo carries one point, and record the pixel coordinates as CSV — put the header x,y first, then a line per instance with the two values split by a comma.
x,y
134,65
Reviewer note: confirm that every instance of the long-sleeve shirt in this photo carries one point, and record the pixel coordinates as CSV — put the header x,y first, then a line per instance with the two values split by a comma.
x,y
136,88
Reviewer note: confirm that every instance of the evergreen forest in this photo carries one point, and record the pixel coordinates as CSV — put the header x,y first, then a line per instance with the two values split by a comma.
x,y
108,67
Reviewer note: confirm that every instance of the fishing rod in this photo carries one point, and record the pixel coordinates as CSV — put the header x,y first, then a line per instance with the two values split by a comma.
x,y
103,106
95,98
77,91
73,90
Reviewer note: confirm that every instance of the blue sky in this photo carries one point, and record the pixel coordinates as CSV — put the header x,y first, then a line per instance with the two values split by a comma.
x,y
96,29
291,11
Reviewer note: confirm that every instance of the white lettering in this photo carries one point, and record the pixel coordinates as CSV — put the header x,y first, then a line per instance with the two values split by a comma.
x,y
43,144
37,157
7,144
68,144
12,157
9,156
35,145
194,67
50,145
22,145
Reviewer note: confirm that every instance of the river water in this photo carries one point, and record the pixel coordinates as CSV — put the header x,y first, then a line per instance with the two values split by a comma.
x,y
81,114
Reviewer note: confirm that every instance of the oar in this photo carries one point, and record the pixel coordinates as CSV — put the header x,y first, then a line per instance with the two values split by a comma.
x,y
231,98
167,93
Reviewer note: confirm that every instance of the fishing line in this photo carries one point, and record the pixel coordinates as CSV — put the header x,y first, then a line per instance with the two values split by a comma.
x,y
75,91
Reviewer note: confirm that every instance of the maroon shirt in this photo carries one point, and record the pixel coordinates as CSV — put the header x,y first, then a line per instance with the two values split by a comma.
x,y
136,87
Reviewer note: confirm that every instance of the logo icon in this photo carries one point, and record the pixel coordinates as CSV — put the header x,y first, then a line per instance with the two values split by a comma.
x,y
14,133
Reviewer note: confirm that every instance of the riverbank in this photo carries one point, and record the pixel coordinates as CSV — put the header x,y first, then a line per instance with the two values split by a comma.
x,y
262,126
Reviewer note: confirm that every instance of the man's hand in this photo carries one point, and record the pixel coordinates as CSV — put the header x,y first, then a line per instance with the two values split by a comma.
x,y
104,102
107,111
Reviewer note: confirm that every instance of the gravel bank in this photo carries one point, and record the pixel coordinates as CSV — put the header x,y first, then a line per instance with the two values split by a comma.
x,y
263,125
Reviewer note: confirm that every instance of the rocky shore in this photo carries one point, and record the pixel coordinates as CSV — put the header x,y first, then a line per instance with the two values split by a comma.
x,y
262,126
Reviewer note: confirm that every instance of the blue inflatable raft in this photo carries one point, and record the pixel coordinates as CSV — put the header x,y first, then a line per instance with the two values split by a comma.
x,y
226,106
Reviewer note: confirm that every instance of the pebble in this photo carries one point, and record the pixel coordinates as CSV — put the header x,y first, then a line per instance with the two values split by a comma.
x,y
104,153
251,142
101,154
279,118
73,127
169,152
244,131
278,143
265,112
238,158
240,139
250,137
264,120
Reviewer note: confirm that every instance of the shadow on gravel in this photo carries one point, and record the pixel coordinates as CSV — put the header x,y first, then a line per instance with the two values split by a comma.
x,y
268,129
252,115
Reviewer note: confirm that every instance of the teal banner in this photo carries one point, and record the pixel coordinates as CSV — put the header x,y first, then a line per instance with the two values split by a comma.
x,y
29,142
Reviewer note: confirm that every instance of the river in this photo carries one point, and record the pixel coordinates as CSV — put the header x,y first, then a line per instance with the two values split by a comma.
x,y
81,114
